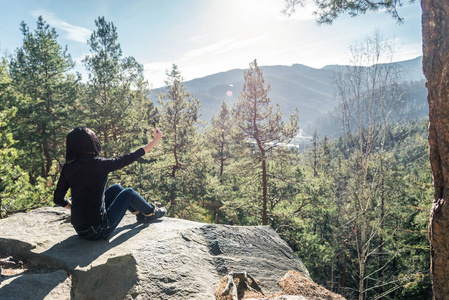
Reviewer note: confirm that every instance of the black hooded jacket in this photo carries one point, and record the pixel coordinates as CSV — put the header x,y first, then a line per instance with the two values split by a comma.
x,y
87,178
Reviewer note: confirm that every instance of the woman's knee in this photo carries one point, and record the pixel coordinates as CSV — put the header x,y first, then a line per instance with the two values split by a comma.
x,y
114,189
116,186
127,193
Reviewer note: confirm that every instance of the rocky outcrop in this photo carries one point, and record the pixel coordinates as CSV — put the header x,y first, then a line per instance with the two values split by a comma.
x,y
167,259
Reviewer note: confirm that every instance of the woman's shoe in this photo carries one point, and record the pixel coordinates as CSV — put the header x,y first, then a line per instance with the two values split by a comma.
x,y
158,212
140,218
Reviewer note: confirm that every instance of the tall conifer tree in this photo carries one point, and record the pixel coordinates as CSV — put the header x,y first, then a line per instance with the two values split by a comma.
x,y
220,137
39,69
117,106
261,124
13,181
179,114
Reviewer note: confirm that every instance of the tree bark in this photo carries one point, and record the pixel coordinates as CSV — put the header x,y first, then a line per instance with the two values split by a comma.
x,y
48,159
264,191
222,159
106,141
380,249
435,32
175,168
343,273
362,257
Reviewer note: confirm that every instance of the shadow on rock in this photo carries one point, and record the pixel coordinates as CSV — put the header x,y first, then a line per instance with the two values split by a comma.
x,y
113,280
53,285
75,252
70,267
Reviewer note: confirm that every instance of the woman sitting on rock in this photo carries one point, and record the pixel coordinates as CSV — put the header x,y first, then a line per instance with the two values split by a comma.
x,y
96,211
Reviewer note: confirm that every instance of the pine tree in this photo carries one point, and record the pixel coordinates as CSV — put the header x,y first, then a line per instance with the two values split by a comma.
x,y
116,104
39,70
220,137
14,182
261,125
179,114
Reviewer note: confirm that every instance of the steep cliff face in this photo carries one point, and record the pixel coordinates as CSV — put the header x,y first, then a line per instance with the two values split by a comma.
x,y
168,259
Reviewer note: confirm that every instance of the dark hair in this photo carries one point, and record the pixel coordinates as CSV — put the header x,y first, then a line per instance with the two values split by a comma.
x,y
81,142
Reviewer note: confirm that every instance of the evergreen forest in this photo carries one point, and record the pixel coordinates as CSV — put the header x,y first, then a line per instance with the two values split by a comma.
x,y
354,207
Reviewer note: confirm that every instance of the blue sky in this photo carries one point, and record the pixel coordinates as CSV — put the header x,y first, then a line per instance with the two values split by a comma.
x,y
204,37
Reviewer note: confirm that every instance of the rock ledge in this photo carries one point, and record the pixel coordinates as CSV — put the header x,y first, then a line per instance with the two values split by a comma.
x,y
168,259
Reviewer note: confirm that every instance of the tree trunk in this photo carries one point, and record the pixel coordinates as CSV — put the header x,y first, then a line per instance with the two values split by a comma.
x,y
435,32
222,157
380,248
106,141
264,191
175,168
315,154
362,257
343,273
173,192
331,285
48,159
41,150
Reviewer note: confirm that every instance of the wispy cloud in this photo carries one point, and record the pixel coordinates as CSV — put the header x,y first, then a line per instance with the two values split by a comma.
x,y
208,49
72,32
220,47
199,61
240,44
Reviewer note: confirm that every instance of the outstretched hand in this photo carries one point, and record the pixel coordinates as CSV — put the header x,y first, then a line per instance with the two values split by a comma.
x,y
157,135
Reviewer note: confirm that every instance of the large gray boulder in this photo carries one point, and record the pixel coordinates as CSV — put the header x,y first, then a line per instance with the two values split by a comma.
x,y
167,259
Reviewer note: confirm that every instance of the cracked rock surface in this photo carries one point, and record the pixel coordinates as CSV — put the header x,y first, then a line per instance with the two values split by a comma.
x,y
167,259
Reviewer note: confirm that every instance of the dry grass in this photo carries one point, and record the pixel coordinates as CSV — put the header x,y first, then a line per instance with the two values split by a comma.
x,y
293,283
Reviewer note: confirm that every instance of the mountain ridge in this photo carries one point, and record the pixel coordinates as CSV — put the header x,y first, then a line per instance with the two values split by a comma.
x,y
311,90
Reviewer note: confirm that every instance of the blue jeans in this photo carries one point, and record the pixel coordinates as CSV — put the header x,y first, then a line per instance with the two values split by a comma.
x,y
117,201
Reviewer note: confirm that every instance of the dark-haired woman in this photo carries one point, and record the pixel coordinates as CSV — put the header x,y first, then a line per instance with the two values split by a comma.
x,y
95,210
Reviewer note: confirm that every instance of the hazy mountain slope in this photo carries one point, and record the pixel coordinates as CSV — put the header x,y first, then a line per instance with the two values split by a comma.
x,y
412,69
292,87
297,86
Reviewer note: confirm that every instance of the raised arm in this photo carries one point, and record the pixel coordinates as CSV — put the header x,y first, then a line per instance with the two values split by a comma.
x,y
157,136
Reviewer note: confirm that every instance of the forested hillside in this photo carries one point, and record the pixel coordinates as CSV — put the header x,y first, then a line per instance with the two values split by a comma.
x,y
354,205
